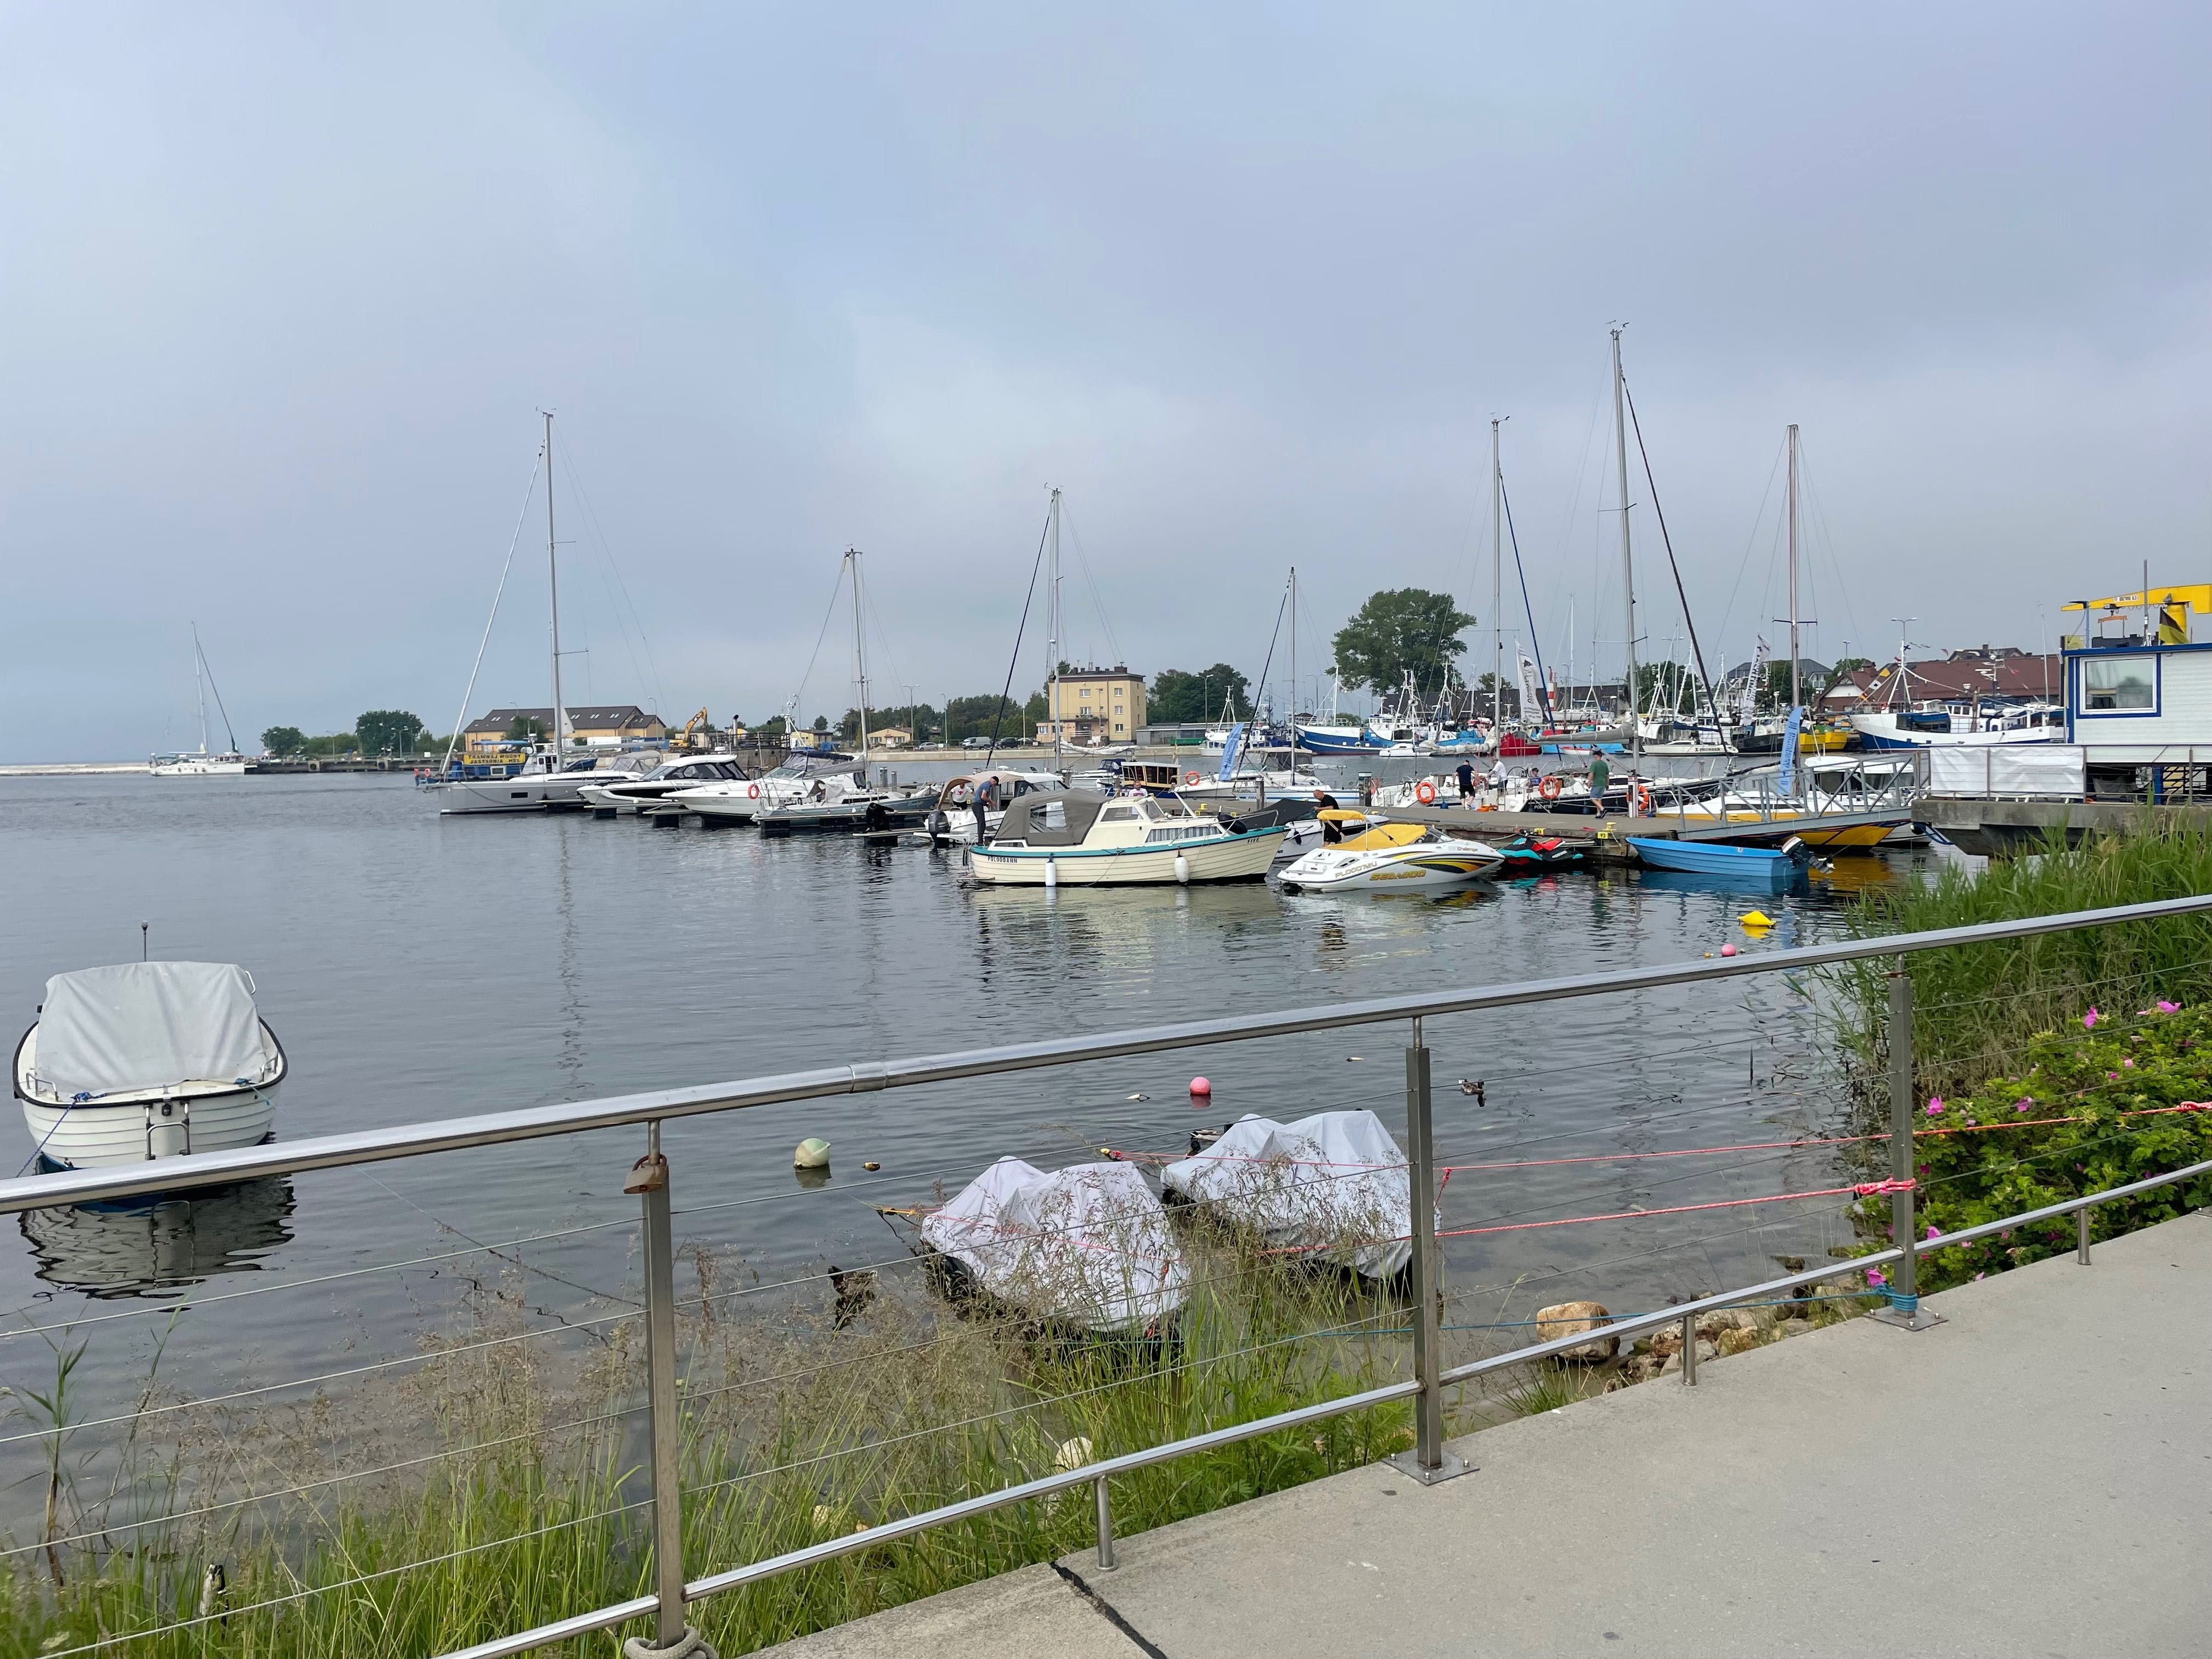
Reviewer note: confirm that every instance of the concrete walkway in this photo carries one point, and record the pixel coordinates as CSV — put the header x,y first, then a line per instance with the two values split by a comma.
x,y
2032,1478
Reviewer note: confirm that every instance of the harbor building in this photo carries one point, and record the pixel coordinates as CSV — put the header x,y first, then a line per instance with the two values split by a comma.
x,y
601,726
1094,702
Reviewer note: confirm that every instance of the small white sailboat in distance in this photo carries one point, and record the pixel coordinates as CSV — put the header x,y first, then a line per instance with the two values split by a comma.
x,y
202,764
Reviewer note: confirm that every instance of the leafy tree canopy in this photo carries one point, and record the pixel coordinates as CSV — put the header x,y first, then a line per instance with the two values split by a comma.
x,y
1398,630
526,728
1180,696
283,740
387,732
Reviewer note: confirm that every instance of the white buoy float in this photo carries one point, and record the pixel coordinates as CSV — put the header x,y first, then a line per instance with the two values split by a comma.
x,y
1052,872
1182,869
812,1153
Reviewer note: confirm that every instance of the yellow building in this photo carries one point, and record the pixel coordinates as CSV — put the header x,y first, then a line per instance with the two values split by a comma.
x,y
1108,703
605,726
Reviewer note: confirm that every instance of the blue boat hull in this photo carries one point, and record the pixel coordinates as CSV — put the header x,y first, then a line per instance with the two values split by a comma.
x,y
1328,743
1753,866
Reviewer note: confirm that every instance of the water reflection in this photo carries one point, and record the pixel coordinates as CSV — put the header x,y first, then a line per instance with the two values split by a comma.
x,y
156,1245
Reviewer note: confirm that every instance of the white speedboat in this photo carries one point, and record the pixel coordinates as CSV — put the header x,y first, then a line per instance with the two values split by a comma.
x,y
951,821
816,780
147,1059
1087,1248
1333,1185
606,793
1392,858
1100,841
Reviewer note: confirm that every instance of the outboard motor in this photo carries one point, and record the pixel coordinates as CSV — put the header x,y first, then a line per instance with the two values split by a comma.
x,y
1796,852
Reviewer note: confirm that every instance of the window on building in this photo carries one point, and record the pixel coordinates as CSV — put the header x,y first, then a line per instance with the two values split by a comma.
x,y
2119,683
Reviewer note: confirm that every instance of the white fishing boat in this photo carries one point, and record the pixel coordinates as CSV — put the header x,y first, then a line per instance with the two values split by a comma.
x,y
1087,1246
230,763
1333,1184
1098,841
1389,857
147,1060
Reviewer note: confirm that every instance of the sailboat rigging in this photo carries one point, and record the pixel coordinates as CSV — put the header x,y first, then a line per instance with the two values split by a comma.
x,y
202,764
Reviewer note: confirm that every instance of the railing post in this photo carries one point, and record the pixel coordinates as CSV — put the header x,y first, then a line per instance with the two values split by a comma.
x,y
1105,1524
1904,1308
649,1179
2081,1237
1428,1462
1689,1350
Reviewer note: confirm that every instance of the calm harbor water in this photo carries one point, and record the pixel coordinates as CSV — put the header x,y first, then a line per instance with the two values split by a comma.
x,y
418,967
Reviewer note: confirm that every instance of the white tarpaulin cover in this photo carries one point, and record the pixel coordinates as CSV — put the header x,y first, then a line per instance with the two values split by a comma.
x,y
146,1024
1089,1243
1335,1182
2005,769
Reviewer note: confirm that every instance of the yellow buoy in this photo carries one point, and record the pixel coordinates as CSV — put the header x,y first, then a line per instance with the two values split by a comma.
x,y
1756,919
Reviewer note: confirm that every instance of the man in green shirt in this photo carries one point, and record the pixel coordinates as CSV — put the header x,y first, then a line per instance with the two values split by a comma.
x,y
1601,773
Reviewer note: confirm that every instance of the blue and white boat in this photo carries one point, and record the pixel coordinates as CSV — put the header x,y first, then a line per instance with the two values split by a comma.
x,y
1771,869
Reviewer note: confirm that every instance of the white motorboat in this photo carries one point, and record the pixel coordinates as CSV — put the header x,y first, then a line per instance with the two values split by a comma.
x,y
228,764
1087,1246
951,822
1333,1184
1388,858
818,780
1097,841
606,793
548,781
147,1059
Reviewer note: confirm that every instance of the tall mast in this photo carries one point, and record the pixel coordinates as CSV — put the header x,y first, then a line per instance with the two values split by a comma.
x,y
860,656
199,684
553,585
1496,589
1052,616
1627,561
1797,684
1294,655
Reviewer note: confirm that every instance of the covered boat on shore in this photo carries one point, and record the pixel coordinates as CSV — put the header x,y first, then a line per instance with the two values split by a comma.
x,y
1087,1249
147,1059
1333,1185
1099,841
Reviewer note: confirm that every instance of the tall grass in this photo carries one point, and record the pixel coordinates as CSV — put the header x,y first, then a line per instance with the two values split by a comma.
x,y
1975,1007
794,1431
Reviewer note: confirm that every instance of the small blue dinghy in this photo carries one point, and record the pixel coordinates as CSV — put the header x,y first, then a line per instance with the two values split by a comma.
x,y
1770,868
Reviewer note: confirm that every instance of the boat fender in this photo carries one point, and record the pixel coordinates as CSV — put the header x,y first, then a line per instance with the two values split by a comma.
x,y
1193,777
1202,1088
812,1154
1051,871
1182,869
1549,789
1426,792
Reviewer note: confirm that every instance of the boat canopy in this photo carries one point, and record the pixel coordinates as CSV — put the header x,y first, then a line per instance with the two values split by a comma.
x,y
1053,819
145,1024
1089,1243
1333,1183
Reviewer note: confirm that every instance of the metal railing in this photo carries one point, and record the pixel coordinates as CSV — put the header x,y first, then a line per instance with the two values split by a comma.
x,y
1427,1462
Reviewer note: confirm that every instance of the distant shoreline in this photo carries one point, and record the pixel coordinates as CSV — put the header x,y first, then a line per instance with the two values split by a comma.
x,y
71,769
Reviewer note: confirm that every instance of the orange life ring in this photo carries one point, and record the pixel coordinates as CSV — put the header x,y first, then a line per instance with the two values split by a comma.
x,y
1643,800
1194,777
1426,792
753,790
1549,789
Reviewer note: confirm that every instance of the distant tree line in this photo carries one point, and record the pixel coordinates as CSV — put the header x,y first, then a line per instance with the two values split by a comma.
x,y
378,733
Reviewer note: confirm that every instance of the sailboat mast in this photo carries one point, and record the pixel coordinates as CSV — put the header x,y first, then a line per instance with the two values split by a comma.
x,y
1052,607
553,586
199,684
1797,682
860,656
1627,561
1497,588
1294,654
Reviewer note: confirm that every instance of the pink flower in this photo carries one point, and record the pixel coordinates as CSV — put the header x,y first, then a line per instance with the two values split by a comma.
x,y
1935,1107
1977,1275
1923,1168
1974,1123
1934,1231
1874,1279
2165,1007
2023,1102
2111,1077
2129,1060
2089,1020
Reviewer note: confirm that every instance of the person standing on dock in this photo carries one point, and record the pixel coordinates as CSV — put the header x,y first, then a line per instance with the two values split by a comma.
x,y
1601,774
982,798
1465,781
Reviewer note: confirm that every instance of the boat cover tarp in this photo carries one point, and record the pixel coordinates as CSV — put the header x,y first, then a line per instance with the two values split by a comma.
x,y
1334,1183
145,1024
1089,1244
1984,769
1028,820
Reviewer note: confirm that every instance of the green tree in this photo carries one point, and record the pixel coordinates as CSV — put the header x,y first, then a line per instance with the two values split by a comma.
x,y
387,732
283,740
1179,697
1402,630
822,722
526,728
337,743
774,726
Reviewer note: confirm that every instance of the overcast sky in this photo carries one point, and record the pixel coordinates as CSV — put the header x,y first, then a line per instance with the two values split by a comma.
x,y
282,290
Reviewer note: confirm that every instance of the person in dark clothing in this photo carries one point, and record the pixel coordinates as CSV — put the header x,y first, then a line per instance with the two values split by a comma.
x,y
1329,832
1465,781
982,798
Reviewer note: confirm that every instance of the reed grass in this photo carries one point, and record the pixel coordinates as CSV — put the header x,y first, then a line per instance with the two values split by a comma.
x,y
1975,1006
795,1430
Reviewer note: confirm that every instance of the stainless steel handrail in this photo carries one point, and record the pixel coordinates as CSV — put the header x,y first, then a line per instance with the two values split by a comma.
x,y
496,1129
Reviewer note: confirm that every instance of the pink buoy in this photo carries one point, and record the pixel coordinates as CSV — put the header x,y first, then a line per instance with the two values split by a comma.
x,y
1728,950
1198,1085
